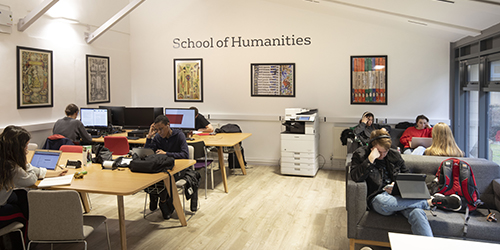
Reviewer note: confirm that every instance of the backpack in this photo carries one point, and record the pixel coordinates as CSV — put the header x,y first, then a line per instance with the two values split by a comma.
x,y
229,128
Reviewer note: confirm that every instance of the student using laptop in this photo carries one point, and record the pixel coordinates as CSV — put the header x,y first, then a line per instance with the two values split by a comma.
x,y
172,142
443,142
16,172
378,165
201,123
421,129
72,128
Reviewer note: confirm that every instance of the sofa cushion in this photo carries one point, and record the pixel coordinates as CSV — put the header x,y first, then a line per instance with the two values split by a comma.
x,y
496,190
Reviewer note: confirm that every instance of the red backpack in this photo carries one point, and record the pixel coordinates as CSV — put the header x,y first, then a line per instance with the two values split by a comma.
x,y
456,177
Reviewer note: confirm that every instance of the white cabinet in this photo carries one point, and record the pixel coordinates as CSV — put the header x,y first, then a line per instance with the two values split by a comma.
x,y
299,154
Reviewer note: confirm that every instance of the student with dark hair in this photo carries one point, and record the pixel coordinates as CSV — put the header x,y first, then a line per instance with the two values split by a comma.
x,y
172,142
16,172
378,165
72,128
366,126
201,123
421,129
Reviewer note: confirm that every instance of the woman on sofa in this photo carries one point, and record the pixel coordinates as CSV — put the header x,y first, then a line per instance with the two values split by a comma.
x,y
421,129
378,165
443,142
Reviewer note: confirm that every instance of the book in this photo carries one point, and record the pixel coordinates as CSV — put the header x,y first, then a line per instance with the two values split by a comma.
x,y
56,181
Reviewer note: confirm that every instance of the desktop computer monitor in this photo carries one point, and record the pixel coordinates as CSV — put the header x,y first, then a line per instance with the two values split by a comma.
x,y
94,118
139,118
116,114
181,118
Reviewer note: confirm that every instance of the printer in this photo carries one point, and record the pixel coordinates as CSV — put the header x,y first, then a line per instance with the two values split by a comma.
x,y
300,120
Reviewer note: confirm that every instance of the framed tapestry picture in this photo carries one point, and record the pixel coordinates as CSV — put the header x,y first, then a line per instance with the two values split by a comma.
x,y
273,79
369,80
34,78
98,79
188,80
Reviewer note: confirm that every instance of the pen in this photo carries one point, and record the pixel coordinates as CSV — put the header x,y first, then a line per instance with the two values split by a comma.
x,y
61,167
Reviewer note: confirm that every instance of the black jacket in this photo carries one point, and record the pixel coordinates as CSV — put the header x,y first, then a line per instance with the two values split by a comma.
x,y
363,132
372,173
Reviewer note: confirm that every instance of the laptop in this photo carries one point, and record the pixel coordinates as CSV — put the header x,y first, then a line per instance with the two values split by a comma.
x,y
48,159
411,186
142,152
421,141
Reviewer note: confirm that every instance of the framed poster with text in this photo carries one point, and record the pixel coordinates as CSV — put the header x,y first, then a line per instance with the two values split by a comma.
x,y
273,79
188,80
98,79
34,78
369,80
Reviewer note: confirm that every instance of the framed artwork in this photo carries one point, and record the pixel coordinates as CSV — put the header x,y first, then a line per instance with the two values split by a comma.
x,y
98,79
273,79
34,78
188,80
369,80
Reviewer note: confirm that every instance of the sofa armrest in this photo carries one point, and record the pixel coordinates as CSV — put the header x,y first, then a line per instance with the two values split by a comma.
x,y
356,193
496,191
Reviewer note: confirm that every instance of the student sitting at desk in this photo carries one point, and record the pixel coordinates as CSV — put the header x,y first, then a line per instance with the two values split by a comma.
x,y
16,172
172,142
72,128
201,123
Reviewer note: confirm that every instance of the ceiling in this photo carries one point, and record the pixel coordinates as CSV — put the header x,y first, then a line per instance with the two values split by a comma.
x,y
449,19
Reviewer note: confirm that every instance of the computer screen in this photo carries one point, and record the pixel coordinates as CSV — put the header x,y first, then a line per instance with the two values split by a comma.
x,y
94,118
181,118
116,114
139,118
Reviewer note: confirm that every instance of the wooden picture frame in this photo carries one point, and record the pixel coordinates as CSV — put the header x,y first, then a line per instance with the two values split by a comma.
x,y
34,78
98,82
272,79
369,80
188,80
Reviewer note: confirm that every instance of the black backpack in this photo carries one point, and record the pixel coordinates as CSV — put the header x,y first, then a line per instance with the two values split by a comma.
x,y
229,128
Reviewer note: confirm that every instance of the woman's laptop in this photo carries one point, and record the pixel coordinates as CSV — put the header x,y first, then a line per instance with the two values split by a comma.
x,y
411,186
48,159
421,141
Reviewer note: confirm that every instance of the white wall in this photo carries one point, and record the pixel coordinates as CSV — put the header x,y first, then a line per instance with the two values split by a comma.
x,y
66,41
417,65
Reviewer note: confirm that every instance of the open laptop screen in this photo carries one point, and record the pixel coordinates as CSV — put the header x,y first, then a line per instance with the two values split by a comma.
x,y
45,159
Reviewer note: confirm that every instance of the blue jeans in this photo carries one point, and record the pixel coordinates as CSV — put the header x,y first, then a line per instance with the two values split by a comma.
x,y
413,210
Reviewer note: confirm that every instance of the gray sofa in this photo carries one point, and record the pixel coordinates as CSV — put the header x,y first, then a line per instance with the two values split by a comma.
x,y
369,227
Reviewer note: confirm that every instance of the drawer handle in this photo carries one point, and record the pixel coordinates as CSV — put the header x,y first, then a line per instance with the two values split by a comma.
x,y
296,169
298,159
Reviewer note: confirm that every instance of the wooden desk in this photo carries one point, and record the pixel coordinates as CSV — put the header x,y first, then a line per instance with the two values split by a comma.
x,y
138,141
225,140
122,183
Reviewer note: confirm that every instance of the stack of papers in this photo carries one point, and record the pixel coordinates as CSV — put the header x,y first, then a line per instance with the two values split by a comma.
x,y
56,181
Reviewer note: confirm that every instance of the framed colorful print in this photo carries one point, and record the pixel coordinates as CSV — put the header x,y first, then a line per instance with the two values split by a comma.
x,y
34,78
273,79
188,80
98,79
369,80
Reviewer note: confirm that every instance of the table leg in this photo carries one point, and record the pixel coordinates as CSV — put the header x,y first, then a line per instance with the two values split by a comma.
x,y
222,168
176,200
85,201
237,150
121,220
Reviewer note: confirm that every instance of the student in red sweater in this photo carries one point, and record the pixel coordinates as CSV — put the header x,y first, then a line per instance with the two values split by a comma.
x,y
421,129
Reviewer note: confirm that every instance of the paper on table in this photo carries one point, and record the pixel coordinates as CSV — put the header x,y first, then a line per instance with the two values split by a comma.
x,y
56,181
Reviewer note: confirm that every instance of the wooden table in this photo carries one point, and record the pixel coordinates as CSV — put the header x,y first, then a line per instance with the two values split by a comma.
x,y
120,183
225,140
137,141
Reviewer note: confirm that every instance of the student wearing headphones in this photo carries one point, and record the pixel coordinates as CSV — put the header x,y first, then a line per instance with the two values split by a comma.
x,y
378,165
366,126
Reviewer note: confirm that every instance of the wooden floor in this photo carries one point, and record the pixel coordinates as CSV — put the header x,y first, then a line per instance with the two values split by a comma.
x,y
263,210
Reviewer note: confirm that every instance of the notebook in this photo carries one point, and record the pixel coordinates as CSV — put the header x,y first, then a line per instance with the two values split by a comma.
x,y
48,159
411,186
142,152
421,141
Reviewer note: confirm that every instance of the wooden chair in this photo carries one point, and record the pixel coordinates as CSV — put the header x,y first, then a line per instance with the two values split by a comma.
x,y
117,144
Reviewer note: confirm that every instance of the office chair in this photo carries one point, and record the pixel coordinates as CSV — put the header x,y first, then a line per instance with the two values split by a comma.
x,y
117,144
71,148
202,161
56,217
158,187
13,227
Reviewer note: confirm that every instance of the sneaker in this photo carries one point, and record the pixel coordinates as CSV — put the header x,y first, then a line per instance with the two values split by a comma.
x,y
450,202
153,204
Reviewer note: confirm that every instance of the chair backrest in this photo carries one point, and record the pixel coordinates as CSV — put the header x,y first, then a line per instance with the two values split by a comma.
x,y
199,149
71,148
117,144
191,152
55,215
